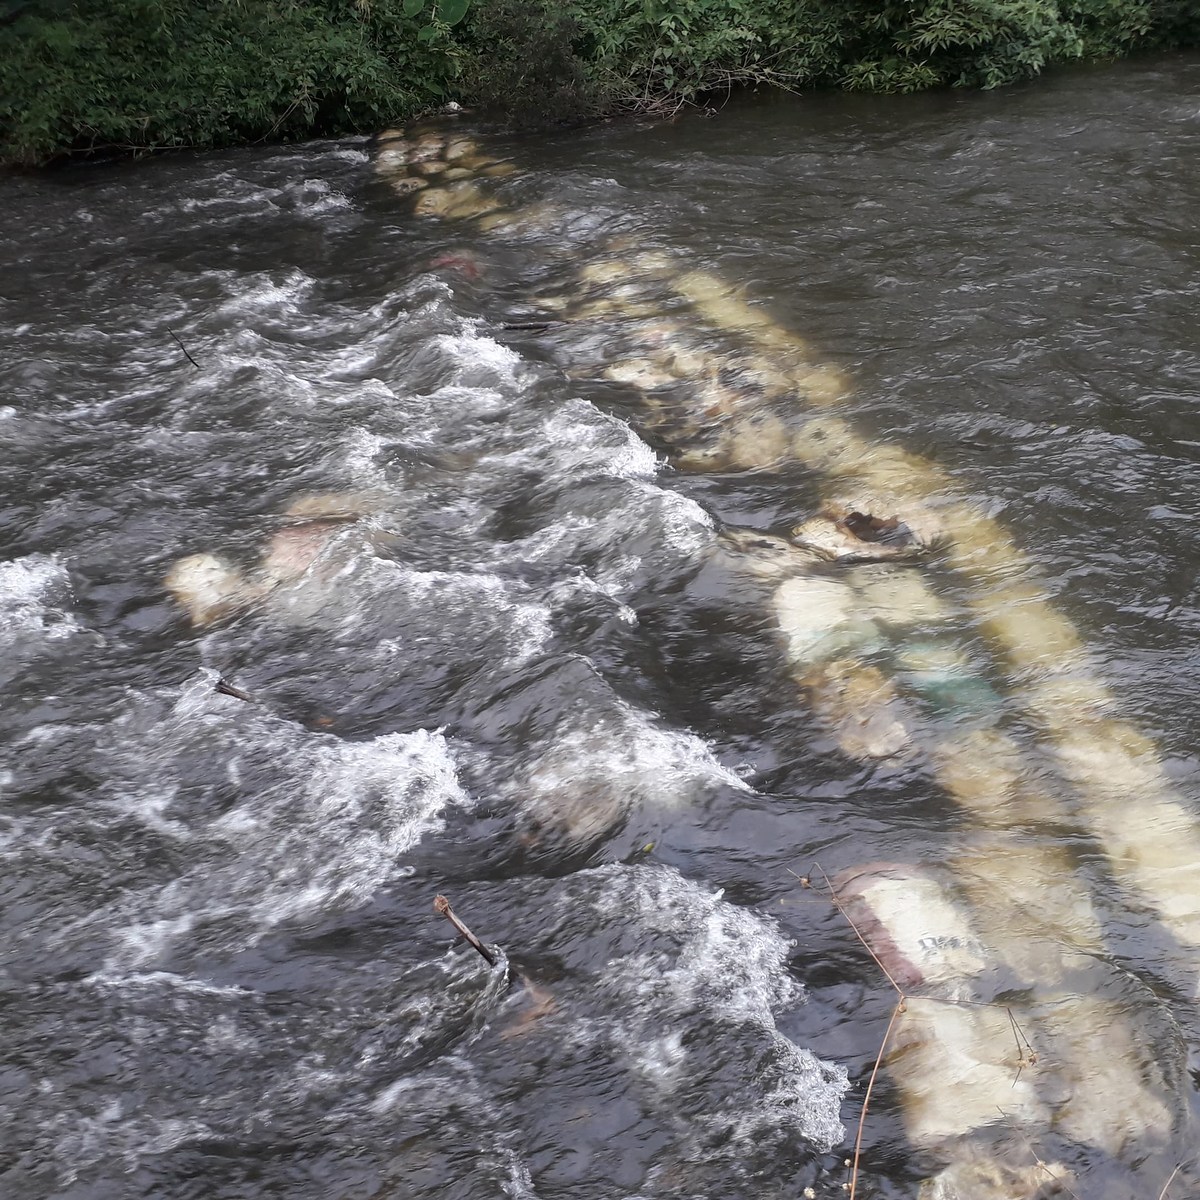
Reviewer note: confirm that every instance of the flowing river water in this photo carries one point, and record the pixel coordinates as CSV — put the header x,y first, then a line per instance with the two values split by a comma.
x,y
506,633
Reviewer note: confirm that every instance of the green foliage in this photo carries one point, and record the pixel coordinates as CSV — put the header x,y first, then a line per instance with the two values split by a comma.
x,y
524,63
904,47
149,74
160,73
669,51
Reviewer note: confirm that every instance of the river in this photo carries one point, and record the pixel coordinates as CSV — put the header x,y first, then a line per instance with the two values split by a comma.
x,y
519,667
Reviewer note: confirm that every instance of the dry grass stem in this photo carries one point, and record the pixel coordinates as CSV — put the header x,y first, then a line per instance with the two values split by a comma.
x,y
1026,1055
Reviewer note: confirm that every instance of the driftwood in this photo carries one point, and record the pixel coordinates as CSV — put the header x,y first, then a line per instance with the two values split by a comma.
x,y
442,905
228,689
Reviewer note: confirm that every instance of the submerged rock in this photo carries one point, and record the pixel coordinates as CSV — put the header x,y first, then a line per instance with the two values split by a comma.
x,y
210,588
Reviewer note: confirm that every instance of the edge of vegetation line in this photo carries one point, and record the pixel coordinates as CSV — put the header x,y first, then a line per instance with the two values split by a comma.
x,y
82,77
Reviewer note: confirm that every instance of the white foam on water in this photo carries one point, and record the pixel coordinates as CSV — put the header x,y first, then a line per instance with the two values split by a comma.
x,y
362,449
373,801
566,591
479,608
475,352
519,1184
314,197
687,527
621,758
395,1093
674,529
262,295
158,982
33,592
230,197
449,1097
13,832
329,825
147,941
585,439
697,1020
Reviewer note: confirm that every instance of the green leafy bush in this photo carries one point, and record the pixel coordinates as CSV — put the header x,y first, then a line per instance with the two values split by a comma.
x,y
133,74
78,75
524,62
908,46
660,52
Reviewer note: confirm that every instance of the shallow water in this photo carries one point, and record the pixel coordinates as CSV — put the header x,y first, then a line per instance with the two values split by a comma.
x,y
526,677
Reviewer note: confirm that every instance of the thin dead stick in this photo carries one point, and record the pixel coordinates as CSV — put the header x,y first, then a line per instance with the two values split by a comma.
x,y
862,1119
1171,1178
442,905
833,899
184,349
901,1006
1051,1174
1026,1055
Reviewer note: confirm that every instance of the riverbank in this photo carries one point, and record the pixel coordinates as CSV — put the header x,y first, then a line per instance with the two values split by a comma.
x,y
145,75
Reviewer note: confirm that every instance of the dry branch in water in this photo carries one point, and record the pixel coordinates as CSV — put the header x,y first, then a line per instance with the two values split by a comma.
x,y
228,689
442,905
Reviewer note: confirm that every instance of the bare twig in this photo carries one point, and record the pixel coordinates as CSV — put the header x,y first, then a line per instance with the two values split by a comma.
x,y
442,905
829,891
862,1118
184,349
1171,1178
901,1006
1051,1174
1026,1055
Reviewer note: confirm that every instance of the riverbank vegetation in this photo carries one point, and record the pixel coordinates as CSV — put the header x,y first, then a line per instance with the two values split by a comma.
x,y
80,76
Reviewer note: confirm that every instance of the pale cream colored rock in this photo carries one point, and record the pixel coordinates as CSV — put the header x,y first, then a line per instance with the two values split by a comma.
x,y
900,597
820,385
428,146
819,618
957,1069
456,200
292,551
1117,1098
763,555
642,373
476,161
392,158
532,218
982,1175
459,146
759,440
604,271
208,588
926,938
335,506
